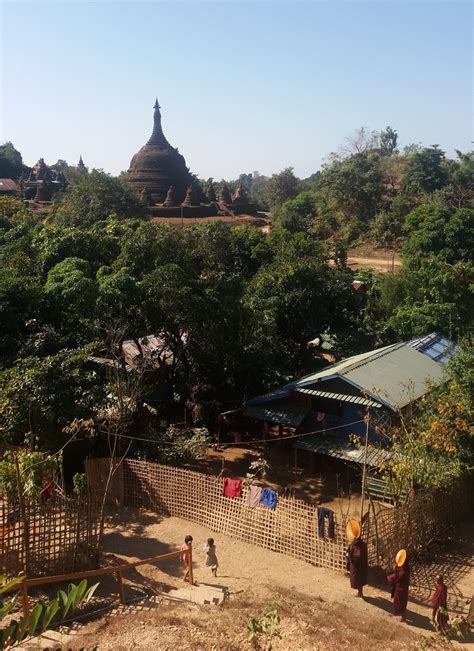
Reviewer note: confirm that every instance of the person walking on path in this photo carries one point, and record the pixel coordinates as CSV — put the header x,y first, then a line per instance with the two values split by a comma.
x,y
185,547
357,558
211,558
400,581
440,606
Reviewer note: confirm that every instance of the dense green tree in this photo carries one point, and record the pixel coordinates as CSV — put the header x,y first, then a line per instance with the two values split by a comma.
x,y
20,303
298,214
11,161
438,232
39,397
281,187
355,185
388,141
52,244
95,197
425,171
70,294
118,300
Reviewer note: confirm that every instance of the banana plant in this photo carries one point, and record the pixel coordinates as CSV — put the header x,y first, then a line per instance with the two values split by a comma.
x,y
43,614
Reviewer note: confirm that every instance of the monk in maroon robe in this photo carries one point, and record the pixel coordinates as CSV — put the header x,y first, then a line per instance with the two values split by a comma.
x,y
357,561
400,581
440,606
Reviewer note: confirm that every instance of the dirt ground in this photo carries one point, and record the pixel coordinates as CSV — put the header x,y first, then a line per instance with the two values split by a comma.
x,y
260,221
318,610
367,256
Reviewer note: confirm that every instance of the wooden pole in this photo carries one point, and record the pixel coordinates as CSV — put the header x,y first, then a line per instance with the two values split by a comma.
x,y
120,590
24,599
190,562
26,541
364,469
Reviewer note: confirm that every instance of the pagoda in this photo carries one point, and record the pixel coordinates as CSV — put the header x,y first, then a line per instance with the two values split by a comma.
x,y
158,166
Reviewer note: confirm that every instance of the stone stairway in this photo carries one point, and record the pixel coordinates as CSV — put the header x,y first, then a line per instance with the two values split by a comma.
x,y
203,594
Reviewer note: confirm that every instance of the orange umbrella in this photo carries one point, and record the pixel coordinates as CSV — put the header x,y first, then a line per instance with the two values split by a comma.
x,y
401,557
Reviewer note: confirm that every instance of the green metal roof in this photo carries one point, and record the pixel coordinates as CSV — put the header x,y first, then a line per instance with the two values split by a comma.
x,y
395,375
356,400
285,414
342,448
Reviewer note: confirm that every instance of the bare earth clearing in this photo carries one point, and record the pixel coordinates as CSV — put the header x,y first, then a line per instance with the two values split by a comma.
x,y
318,610
367,256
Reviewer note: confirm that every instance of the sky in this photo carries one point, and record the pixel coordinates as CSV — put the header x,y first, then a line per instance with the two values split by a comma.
x,y
243,86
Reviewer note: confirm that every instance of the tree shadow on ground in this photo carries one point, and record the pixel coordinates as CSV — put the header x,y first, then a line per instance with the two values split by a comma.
x,y
412,618
131,520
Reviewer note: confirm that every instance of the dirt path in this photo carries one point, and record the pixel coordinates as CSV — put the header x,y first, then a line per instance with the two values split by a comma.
x,y
317,606
384,265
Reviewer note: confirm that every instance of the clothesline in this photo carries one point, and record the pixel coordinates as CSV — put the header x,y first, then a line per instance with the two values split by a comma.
x,y
247,443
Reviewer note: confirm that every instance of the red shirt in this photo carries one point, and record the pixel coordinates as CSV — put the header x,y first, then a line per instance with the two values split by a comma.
x,y
232,487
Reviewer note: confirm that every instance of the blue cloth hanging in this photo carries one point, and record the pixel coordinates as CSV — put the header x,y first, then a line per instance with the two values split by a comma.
x,y
268,498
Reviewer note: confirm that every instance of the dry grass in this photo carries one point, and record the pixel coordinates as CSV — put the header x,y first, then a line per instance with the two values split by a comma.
x,y
304,624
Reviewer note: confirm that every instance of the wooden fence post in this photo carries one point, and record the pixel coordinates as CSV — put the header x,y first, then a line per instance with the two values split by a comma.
x,y
26,530
190,562
24,599
120,587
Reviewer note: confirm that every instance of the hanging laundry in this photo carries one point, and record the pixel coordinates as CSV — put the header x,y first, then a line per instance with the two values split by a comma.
x,y
268,498
324,513
232,487
252,499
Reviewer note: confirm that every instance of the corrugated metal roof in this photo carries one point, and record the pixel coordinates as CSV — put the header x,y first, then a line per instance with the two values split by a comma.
x,y
285,414
356,400
8,185
342,448
395,375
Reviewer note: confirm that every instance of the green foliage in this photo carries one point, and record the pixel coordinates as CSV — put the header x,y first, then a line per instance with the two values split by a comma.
x,y
79,482
388,141
425,171
281,187
433,231
43,615
11,161
353,187
95,197
264,627
434,444
35,467
42,395
188,444
297,214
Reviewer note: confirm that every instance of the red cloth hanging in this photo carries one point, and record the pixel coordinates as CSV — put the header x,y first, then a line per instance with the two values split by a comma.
x,y
232,487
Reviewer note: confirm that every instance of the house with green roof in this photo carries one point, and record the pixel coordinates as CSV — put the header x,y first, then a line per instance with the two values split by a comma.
x,y
328,406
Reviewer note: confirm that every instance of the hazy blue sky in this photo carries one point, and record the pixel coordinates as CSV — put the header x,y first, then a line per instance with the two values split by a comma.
x,y
243,86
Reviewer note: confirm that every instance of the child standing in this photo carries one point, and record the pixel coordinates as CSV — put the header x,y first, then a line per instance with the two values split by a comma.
x,y
211,558
185,547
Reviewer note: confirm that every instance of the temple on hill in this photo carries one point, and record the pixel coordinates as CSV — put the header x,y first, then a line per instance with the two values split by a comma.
x,y
159,174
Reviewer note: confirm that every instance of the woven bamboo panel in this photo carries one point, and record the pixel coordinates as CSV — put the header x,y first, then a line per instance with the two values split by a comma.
x,y
414,525
98,471
290,529
56,537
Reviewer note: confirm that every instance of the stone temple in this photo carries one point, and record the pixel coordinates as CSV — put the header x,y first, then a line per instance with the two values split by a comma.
x,y
158,172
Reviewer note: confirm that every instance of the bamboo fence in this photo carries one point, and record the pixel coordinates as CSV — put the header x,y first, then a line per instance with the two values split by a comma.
x,y
425,517
39,539
291,528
